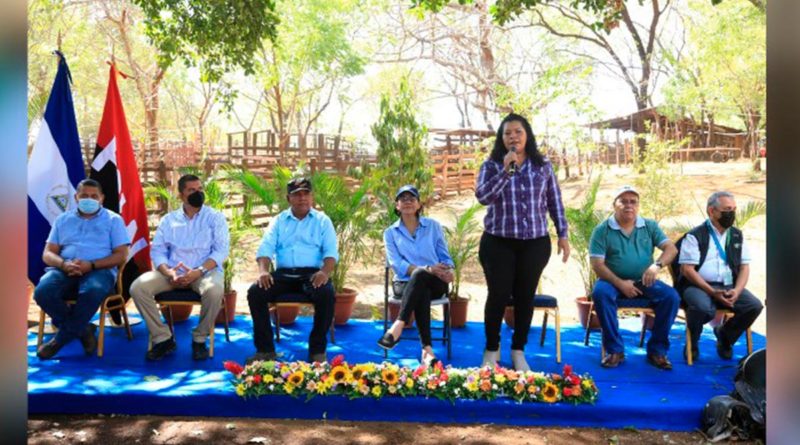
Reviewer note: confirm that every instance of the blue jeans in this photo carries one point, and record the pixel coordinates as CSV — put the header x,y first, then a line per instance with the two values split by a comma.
x,y
90,289
664,300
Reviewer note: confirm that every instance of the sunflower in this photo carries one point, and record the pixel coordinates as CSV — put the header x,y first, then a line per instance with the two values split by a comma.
x,y
389,376
296,378
550,393
340,374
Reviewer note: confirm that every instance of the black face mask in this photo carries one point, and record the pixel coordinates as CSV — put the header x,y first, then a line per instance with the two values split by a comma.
x,y
726,219
196,199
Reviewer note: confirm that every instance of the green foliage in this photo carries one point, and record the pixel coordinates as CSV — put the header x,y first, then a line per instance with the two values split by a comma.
x,y
402,158
219,36
657,182
462,243
582,221
504,11
348,210
750,211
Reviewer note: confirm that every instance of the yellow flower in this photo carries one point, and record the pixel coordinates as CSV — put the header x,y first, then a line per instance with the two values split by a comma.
x,y
340,374
392,389
322,388
240,389
500,378
409,383
389,376
550,393
376,391
296,378
288,387
519,388
533,389
268,378
472,386
587,384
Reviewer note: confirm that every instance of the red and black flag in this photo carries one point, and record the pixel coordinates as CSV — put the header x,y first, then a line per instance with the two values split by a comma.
x,y
114,166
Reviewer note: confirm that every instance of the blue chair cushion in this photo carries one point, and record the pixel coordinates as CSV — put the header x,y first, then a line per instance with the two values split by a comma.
x,y
638,303
544,301
178,295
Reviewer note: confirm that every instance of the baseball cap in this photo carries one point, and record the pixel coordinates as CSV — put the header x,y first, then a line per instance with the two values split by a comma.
x,y
625,189
295,185
407,188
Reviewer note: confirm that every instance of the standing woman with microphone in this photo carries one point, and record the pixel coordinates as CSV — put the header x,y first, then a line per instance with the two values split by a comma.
x,y
519,187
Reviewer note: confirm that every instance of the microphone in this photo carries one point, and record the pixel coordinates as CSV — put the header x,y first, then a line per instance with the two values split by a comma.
x,y
512,168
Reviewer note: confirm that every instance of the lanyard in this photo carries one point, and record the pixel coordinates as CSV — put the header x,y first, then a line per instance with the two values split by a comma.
x,y
721,251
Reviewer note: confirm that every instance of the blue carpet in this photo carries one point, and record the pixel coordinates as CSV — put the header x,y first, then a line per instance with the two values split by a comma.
x,y
633,395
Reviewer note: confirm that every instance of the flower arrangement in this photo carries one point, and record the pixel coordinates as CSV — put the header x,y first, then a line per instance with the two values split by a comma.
x,y
379,380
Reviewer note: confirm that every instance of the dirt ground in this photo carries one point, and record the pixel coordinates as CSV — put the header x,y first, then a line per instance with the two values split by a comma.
x,y
159,430
559,279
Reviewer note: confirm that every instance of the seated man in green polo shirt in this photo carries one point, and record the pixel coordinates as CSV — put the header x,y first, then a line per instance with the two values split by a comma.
x,y
621,254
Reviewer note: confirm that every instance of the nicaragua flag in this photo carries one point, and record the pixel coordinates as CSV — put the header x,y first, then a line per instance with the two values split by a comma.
x,y
114,166
55,167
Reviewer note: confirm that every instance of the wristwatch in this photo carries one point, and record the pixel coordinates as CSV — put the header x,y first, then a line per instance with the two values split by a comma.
x,y
202,270
659,264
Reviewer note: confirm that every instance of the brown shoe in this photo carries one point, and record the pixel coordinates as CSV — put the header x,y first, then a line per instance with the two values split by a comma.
x,y
660,362
613,360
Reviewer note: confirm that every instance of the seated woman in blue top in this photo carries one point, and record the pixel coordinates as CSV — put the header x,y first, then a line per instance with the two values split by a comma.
x,y
417,252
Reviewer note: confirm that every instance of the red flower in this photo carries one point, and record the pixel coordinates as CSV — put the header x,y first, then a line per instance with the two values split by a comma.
x,y
257,379
567,370
438,366
418,372
337,360
574,379
233,367
567,391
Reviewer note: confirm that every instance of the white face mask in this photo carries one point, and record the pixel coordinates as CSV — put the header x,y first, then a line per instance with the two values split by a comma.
x,y
88,205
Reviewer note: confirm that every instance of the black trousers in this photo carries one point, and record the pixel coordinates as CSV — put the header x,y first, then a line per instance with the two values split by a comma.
x,y
701,308
512,268
417,293
292,285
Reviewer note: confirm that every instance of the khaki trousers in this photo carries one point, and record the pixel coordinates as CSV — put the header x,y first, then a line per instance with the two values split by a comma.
x,y
210,288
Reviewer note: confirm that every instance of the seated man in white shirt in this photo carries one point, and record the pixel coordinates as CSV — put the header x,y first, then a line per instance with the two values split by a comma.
x,y
188,250
714,268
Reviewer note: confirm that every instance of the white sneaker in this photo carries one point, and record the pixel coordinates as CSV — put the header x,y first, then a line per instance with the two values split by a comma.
x,y
490,358
518,360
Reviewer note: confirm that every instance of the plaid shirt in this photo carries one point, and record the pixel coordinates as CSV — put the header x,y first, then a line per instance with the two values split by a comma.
x,y
517,205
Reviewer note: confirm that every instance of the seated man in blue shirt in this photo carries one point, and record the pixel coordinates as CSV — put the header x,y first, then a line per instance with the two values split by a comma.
x,y
83,251
621,254
188,250
302,242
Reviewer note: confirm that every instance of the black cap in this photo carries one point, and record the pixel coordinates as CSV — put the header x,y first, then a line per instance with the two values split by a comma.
x,y
408,188
295,185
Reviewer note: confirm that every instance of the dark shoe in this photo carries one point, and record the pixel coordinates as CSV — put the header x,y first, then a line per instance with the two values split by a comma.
x,y
388,341
89,341
319,357
199,351
429,360
261,357
695,354
659,361
159,350
724,350
49,349
613,360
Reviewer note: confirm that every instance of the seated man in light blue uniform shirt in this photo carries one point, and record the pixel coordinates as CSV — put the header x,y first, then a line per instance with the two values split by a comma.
x,y
417,252
302,243
83,251
188,250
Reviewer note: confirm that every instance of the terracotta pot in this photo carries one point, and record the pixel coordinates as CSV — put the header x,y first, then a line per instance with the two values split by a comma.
x,y
230,306
508,316
344,305
394,312
288,314
583,312
458,312
180,312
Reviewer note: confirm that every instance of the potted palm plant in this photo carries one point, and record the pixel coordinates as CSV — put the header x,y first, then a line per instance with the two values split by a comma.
x,y
582,221
462,243
349,210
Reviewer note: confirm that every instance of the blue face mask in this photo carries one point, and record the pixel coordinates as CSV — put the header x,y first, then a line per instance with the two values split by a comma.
x,y
88,205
